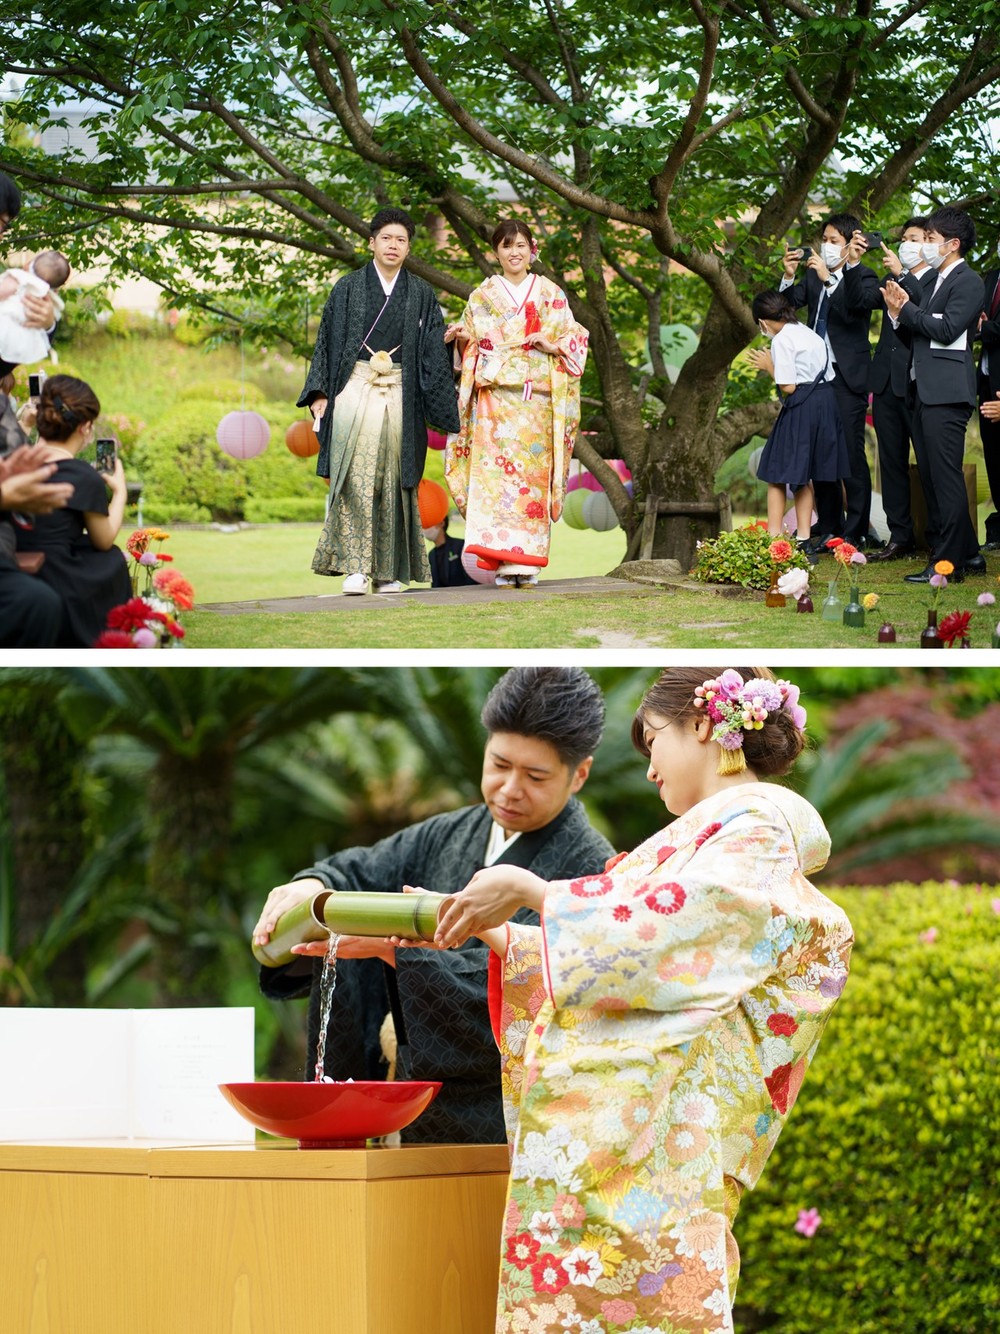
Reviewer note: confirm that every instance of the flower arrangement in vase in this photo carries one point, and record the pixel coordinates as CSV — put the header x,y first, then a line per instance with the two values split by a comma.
x,y
794,584
151,617
929,636
780,551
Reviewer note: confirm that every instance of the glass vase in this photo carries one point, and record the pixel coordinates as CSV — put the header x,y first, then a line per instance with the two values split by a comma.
x,y
929,637
887,633
804,603
833,608
773,597
995,638
854,613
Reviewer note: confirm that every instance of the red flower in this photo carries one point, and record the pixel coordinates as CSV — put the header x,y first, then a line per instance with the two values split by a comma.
x,y
707,833
666,899
954,626
173,585
548,1275
622,913
782,1024
590,886
613,861
134,614
485,343
833,542
844,552
114,639
532,319
780,550
535,509
522,1249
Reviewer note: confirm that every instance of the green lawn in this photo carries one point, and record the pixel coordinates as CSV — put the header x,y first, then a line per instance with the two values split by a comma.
x,y
273,562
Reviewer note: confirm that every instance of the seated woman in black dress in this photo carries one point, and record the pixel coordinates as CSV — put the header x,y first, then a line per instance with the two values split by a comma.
x,y
82,563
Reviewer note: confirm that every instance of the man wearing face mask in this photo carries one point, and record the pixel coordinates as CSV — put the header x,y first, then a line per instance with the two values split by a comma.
x,y
989,392
890,377
940,334
840,293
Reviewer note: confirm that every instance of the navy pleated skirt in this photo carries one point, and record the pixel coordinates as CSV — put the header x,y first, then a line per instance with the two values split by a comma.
x,y
807,442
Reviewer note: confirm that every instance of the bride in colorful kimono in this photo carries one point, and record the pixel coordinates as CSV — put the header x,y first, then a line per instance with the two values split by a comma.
x,y
655,1030
522,355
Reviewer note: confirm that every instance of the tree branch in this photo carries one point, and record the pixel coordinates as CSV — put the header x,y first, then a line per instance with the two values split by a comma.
x,y
663,182
515,157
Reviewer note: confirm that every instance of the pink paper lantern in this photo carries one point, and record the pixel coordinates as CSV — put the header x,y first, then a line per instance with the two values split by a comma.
x,y
435,440
243,435
470,564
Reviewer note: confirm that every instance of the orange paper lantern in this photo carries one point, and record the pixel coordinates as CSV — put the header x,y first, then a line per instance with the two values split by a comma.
x,y
432,502
302,440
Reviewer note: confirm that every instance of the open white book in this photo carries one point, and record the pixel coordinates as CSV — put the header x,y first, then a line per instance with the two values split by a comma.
x,y
117,1074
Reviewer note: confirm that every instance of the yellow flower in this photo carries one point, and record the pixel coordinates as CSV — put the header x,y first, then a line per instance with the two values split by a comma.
x,y
870,601
944,567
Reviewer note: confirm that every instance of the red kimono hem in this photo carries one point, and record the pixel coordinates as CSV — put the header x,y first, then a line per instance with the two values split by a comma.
x,y
489,558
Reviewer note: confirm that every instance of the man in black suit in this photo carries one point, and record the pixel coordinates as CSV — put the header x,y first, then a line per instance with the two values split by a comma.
x,y
890,378
989,392
940,334
839,294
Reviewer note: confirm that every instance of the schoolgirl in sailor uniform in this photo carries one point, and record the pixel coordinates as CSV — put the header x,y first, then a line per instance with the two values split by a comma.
x,y
807,440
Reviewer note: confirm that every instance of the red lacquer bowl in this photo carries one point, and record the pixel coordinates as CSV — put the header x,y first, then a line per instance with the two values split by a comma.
x,y
330,1116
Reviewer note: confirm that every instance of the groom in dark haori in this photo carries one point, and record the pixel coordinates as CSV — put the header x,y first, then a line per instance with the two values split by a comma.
x,y
380,357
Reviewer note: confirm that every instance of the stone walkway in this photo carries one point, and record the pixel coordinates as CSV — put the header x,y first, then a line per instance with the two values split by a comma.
x,y
476,595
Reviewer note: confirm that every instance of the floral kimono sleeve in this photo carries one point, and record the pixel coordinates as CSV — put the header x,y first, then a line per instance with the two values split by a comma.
x,y
686,937
570,337
516,994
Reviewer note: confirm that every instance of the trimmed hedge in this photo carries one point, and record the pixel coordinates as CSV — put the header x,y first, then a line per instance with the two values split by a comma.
x,y
187,478
895,1138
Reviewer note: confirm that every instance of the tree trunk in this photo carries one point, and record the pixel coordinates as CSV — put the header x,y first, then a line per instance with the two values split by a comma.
x,y
683,453
190,804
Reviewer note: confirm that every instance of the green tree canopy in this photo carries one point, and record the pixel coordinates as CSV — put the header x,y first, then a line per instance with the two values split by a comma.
x,y
241,147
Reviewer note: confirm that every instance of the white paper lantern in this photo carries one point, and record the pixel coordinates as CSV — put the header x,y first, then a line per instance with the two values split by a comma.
x,y
471,566
243,435
599,513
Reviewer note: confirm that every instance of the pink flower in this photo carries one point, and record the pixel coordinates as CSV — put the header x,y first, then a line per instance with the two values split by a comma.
x,y
995,905
929,936
149,558
144,638
859,558
986,599
730,683
808,1222
938,581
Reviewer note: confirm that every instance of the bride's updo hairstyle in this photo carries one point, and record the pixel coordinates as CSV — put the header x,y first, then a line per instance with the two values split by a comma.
x,y
769,751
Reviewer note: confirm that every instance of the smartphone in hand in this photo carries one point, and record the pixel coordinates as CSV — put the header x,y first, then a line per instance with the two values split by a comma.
x,y
107,452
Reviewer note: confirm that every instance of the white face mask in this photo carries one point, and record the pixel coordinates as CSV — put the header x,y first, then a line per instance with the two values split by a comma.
x,y
832,254
932,254
910,254
766,332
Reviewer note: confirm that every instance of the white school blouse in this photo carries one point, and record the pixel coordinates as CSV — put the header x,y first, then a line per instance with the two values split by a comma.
x,y
799,355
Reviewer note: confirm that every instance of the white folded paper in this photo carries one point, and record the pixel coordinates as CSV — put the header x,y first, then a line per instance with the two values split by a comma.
x,y
113,1074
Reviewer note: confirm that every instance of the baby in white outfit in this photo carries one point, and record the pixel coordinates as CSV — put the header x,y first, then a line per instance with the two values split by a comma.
x,y
18,344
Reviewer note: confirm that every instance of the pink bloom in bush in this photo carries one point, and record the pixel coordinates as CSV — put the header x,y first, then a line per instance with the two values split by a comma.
x,y
808,1222
929,936
995,905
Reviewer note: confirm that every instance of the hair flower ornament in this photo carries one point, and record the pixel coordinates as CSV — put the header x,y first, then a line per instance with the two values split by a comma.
x,y
736,706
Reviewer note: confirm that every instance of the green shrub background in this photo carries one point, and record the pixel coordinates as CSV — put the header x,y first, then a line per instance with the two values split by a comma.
x,y
895,1137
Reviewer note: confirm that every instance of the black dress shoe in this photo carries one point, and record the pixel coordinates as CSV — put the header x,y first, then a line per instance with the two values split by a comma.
x,y
991,545
894,551
976,565
816,546
924,576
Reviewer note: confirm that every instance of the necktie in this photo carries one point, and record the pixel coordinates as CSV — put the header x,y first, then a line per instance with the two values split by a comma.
x,y
995,303
822,315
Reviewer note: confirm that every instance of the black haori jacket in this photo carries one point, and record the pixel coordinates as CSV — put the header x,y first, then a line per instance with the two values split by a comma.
x,y
441,1002
429,395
